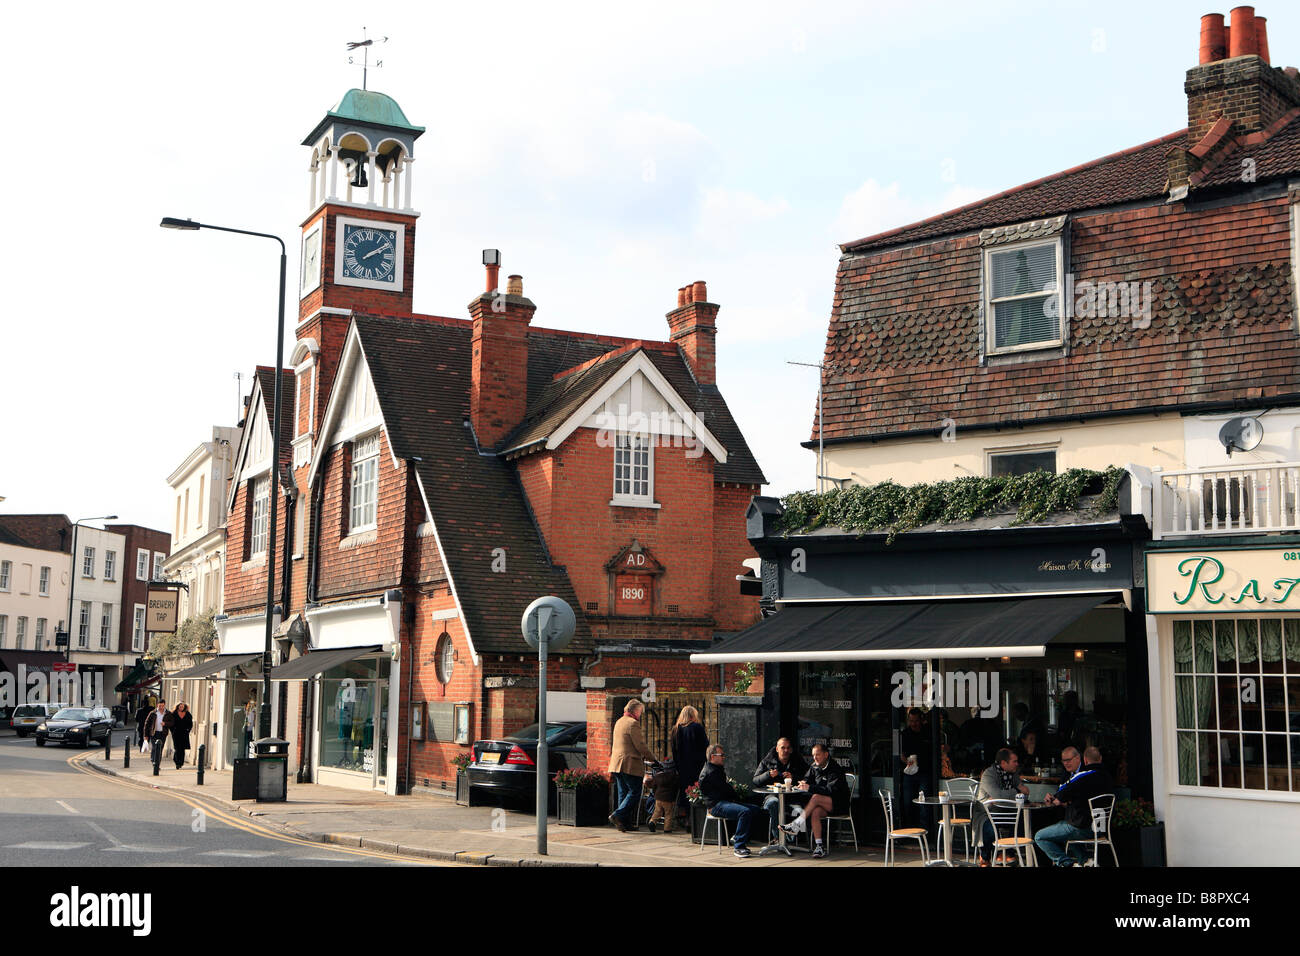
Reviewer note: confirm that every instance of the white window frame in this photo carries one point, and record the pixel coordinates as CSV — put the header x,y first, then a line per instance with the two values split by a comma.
x,y
363,497
137,628
105,627
44,581
87,562
991,453
6,574
159,559
4,628
83,626
20,632
142,564
110,565
259,524
990,312
625,472
41,627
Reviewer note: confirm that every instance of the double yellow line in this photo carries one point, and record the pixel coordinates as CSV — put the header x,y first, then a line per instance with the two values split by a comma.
x,y
78,761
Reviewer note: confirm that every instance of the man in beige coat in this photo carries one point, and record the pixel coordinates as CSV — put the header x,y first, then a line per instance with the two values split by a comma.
x,y
627,760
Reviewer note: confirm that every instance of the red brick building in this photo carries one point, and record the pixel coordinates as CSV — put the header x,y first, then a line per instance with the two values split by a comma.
x,y
440,473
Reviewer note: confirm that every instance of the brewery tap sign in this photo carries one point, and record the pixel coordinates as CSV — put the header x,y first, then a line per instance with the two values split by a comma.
x,y
164,603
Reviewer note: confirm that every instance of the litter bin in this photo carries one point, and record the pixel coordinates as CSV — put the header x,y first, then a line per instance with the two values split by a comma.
x,y
244,779
272,756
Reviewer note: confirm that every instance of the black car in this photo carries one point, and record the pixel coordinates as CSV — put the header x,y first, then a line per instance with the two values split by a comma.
x,y
504,771
75,725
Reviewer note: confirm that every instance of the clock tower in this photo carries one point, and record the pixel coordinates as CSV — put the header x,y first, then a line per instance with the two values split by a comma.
x,y
358,240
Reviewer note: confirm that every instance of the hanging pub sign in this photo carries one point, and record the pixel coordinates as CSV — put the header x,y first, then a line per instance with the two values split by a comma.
x,y
164,605
1225,581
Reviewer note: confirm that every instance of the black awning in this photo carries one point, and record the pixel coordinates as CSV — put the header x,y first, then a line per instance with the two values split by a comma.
x,y
905,630
309,665
32,660
213,665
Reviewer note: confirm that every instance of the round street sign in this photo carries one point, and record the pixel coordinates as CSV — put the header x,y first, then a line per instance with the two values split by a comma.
x,y
553,619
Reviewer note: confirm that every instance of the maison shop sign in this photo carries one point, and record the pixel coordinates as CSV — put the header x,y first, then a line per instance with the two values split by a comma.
x,y
1223,582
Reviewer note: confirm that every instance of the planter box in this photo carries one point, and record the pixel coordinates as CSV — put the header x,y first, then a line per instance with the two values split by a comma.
x,y
585,807
1144,846
462,789
697,821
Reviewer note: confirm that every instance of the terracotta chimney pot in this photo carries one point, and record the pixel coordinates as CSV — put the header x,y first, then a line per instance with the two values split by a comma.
x,y
515,285
1213,45
1243,40
1261,37
681,297
701,291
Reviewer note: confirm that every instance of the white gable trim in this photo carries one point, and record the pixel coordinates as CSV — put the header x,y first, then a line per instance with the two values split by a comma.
x,y
255,408
640,363
451,578
353,362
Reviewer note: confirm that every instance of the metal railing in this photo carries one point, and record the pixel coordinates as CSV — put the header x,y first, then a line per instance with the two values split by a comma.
x,y
1247,499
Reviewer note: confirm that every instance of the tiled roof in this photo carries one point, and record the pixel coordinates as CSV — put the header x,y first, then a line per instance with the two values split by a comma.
x,y
1276,156
558,398
266,378
421,372
1136,173
38,531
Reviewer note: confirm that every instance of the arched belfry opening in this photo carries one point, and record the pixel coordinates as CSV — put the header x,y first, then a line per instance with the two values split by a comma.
x,y
362,153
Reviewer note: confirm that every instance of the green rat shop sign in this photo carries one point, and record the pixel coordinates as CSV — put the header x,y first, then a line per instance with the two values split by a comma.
x,y
1229,581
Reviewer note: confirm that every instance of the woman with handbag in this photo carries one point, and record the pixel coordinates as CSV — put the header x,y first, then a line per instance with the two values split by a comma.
x,y
181,728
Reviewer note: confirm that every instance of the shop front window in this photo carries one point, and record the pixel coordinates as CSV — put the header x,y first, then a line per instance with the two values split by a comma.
x,y
354,718
827,712
1237,703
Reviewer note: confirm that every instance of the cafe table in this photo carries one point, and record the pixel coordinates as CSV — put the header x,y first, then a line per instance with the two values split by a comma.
x,y
946,806
782,846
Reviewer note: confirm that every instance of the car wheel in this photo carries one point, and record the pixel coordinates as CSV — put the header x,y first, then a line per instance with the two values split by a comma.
x,y
40,741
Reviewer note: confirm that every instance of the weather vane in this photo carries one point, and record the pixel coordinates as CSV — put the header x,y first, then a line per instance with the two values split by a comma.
x,y
365,46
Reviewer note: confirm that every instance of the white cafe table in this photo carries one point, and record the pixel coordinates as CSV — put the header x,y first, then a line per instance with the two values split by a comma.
x,y
782,846
947,805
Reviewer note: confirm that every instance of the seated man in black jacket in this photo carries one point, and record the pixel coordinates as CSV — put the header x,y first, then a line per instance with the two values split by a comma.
x,y
781,764
1090,780
721,799
830,795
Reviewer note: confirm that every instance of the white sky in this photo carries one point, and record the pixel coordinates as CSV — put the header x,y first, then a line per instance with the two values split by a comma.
x,y
613,152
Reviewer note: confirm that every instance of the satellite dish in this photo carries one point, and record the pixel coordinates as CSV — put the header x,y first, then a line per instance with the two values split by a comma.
x,y
549,619
1241,434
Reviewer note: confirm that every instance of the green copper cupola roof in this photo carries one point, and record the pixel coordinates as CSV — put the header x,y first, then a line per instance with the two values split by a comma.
x,y
366,109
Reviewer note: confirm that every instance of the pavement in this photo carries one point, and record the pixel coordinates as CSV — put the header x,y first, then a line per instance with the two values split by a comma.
x,y
434,827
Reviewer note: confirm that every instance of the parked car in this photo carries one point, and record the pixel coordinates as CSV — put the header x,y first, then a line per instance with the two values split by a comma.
x,y
504,772
26,717
75,725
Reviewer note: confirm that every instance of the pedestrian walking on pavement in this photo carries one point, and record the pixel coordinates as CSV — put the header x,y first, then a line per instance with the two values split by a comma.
x,y
627,761
141,715
182,724
156,727
689,742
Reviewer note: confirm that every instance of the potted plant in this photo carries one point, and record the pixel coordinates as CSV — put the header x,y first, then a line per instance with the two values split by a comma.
x,y
462,761
582,797
696,800
1139,838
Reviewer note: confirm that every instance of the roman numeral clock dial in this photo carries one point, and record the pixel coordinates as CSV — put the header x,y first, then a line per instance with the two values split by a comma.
x,y
370,254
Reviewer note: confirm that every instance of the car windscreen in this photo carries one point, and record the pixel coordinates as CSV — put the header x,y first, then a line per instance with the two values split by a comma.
x,y
72,713
552,730
29,710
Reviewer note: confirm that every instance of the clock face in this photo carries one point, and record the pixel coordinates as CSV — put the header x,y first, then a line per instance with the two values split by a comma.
x,y
370,253
311,261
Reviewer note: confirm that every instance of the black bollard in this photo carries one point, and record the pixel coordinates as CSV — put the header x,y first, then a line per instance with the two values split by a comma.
x,y
108,745
155,754
202,757
126,755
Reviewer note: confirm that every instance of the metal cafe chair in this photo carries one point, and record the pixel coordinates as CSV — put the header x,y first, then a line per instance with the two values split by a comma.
x,y
1007,815
961,790
906,833
1101,807
852,780
723,834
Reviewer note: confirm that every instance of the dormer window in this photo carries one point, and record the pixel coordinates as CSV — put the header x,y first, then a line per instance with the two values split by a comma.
x,y
633,471
1022,286
365,478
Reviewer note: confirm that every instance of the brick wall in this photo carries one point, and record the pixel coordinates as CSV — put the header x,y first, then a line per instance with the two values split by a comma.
x,y
329,295
1246,90
245,581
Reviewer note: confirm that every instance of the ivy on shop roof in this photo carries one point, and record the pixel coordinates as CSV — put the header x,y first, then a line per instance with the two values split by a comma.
x,y
895,509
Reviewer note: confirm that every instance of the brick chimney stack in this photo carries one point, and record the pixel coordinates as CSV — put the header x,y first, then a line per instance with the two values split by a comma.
x,y
499,354
692,325
1234,80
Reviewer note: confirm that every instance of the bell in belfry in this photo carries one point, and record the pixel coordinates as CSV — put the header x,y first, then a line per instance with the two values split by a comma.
x,y
359,173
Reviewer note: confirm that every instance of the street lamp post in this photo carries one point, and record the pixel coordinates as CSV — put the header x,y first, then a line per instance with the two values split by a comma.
x,y
72,579
264,717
